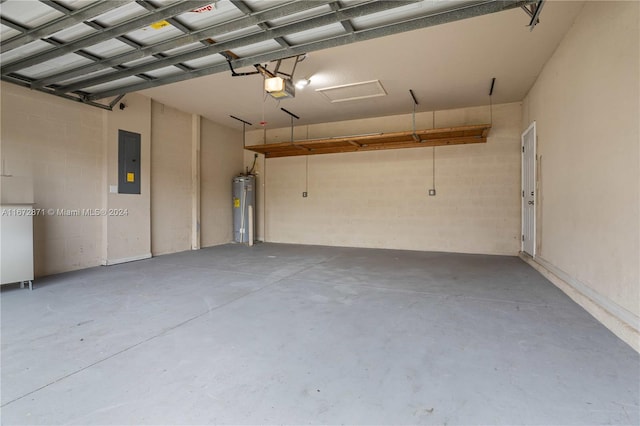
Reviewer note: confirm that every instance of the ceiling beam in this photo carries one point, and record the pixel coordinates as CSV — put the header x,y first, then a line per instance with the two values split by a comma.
x,y
194,37
54,42
12,24
327,18
107,34
348,26
57,6
244,8
21,81
462,12
179,25
173,21
123,39
536,15
87,55
96,26
281,41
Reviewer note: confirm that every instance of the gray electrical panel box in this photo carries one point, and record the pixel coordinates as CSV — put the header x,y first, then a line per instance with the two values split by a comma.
x,y
128,162
243,196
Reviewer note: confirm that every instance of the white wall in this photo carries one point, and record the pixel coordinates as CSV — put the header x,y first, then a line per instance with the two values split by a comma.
x,y
127,237
586,106
171,195
221,160
59,144
379,199
70,151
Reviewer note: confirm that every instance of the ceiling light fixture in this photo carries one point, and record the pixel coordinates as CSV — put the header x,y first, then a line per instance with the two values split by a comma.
x,y
303,83
279,87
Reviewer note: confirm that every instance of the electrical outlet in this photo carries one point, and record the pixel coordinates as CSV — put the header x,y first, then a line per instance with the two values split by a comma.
x,y
304,194
432,192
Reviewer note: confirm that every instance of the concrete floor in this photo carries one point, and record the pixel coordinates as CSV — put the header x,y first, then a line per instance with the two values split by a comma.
x,y
297,334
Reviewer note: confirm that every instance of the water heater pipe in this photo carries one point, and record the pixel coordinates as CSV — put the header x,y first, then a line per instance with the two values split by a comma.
x,y
243,228
250,226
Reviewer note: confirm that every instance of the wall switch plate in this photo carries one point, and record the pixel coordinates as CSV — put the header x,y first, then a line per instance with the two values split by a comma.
x,y
304,195
432,192
113,189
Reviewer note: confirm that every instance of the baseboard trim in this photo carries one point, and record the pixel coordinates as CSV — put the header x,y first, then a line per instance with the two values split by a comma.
x,y
620,321
110,262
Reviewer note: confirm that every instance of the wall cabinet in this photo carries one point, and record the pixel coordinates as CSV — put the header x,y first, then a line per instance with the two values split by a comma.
x,y
16,231
16,244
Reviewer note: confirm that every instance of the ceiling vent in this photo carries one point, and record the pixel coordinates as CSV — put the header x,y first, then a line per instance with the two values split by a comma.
x,y
353,91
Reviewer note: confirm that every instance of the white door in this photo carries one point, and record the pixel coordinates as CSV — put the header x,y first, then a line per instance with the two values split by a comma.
x,y
529,190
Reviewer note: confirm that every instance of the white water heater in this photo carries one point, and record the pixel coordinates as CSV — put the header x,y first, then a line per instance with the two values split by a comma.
x,y
244,195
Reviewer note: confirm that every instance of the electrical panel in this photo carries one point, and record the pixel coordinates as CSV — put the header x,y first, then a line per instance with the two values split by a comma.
x,y
128,162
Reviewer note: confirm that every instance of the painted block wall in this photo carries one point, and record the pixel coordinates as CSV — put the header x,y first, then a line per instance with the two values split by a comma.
x,y
380,199
220,160
70,151
59,144
170,179
586,107
128,237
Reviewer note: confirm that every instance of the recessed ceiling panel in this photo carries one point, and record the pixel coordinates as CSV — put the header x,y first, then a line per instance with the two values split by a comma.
x,y
353,91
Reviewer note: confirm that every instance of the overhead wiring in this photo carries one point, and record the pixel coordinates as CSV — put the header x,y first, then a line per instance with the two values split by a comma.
x,y
433,158
253,166
493,83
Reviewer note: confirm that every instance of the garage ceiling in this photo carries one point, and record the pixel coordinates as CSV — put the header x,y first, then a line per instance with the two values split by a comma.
x,y
96,51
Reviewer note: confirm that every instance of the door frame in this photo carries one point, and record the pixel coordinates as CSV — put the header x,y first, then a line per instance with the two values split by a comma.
x,y
533,158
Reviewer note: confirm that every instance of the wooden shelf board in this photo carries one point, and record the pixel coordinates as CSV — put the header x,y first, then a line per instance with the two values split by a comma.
x,y
418,139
